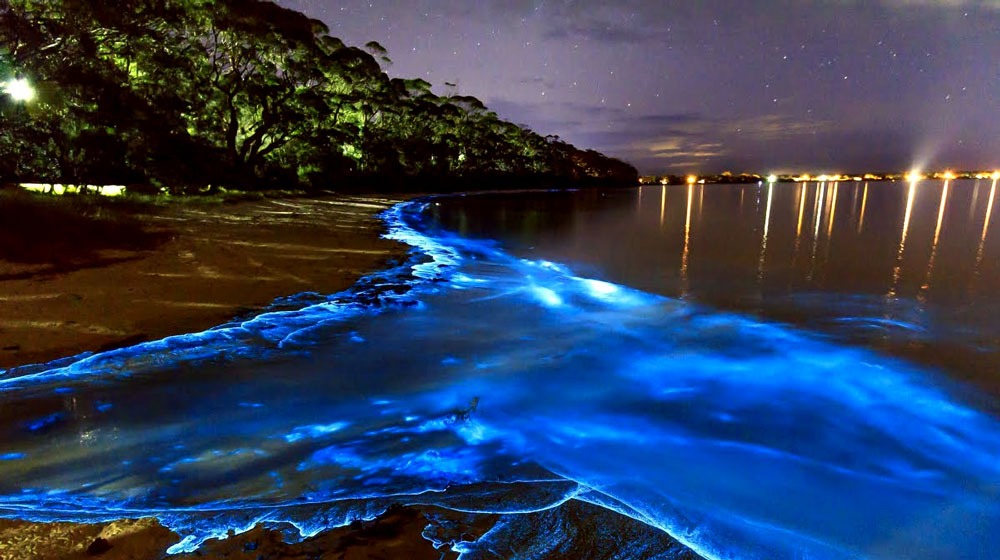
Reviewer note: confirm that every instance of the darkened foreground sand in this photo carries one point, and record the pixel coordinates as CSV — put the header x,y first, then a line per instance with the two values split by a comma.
x,y
396,534
572,530
69,284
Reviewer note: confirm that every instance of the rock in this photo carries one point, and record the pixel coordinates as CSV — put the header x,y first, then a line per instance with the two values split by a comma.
x,y
98,547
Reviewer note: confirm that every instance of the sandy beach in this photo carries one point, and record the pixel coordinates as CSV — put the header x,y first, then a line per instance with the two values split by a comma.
x,y
198,265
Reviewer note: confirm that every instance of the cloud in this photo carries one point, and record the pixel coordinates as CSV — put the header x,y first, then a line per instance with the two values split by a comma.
x,y
683,141
775,127
674,150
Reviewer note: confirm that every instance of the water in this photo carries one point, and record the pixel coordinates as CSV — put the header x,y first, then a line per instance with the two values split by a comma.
x,y
916,276
686,358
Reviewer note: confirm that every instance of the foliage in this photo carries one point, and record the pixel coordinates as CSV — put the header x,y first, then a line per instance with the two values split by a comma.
x,y
194,95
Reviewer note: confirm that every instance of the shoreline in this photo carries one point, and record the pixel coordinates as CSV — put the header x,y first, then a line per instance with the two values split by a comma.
x,y
399,532
208,265
214,254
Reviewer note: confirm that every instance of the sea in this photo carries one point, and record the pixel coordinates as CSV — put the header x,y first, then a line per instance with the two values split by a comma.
x,y
754,371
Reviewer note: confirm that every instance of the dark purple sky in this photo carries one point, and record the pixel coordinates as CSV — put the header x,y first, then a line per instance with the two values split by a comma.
x,y
707,86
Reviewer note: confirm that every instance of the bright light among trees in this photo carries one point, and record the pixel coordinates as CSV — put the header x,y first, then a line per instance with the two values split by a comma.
x,y
19,90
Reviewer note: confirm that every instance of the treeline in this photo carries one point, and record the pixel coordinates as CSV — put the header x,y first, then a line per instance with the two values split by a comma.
x,y
186,95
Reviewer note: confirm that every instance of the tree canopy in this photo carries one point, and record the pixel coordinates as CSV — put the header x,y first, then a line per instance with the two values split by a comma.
x,y
186,95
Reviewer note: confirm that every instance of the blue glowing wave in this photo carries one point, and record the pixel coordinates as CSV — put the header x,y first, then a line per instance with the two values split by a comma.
x,y
477,381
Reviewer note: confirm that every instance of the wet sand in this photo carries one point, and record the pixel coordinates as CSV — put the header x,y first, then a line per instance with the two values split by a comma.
x,y
198,265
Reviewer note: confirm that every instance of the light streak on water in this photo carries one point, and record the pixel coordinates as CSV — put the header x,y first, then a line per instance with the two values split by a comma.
x,y
763,239
902,241
818,211
975,200
802,208
989,210
940,218
864,203
986,226
803,187
701,201
663,204
685,255
833,213
934,245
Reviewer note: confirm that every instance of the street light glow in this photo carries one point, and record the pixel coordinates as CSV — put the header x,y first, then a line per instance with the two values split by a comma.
x,y
913,176
772,178
19,89
692,179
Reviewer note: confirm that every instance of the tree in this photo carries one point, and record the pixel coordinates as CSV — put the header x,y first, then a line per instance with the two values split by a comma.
x,y
161,92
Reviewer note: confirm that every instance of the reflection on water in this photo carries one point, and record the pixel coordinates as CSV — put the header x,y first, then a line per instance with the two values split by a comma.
x,y
911,251
485,376
934,246
902,240
986,226
687,244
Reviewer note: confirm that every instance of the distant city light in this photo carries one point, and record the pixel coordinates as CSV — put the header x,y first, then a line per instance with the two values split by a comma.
x,y
19,89
830,179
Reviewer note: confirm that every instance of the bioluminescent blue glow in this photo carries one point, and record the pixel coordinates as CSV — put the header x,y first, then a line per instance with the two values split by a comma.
x,y
481,382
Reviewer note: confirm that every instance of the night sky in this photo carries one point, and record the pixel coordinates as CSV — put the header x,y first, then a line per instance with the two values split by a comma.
x,y
709,86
